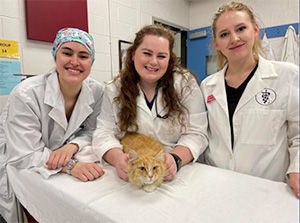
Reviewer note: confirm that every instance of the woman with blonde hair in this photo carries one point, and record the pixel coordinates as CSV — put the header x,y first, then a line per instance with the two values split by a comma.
x,y
252,103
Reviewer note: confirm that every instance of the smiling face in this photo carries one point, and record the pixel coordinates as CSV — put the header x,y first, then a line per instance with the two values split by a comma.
x,y
73,63
151,59
235,35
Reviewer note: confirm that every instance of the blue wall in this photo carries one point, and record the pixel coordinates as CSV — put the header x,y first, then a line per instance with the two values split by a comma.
x,y
198,49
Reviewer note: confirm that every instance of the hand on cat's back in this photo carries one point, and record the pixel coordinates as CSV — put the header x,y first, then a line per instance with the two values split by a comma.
x,y
121,165
171,168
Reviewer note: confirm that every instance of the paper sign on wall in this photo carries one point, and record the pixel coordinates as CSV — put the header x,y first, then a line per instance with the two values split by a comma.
x,y
9,48
7,79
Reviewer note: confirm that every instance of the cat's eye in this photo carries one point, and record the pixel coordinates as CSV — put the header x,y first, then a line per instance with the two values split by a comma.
x,y
155,167
142,168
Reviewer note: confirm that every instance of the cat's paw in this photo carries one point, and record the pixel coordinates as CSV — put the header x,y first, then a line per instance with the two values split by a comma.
x,y
149,188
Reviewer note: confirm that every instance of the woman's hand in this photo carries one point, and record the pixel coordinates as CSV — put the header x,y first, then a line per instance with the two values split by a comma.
x,y
171,168
119,160
121,164
86,171
294,182
61,157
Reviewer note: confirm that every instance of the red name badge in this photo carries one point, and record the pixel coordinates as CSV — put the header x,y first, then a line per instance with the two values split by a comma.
x,y
210,98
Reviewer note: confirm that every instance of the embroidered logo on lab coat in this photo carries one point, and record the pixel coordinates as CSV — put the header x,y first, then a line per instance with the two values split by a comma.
x,y
266,96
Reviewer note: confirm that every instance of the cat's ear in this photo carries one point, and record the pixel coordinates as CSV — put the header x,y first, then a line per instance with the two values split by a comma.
x,y
132,155
160,155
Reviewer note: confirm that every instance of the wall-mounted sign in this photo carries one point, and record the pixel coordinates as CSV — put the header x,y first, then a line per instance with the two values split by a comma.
x,y
7,79
45,17
9,48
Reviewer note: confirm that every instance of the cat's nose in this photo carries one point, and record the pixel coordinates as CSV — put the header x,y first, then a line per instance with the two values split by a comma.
x,y
150,176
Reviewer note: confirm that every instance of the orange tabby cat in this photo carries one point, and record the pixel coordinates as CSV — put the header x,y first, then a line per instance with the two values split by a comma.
x,y
146,166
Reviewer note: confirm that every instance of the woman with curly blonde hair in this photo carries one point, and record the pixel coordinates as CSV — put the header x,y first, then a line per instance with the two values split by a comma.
x,y
156,97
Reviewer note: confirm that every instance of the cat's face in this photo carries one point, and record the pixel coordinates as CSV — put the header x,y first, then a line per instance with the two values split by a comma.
x,y
146,170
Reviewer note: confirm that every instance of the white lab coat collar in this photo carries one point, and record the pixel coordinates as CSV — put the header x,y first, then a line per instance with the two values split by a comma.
x,y
54,98
264,71
217,82
82,108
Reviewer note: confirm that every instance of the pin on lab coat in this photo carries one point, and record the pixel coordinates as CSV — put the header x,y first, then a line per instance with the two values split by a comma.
x,y
33,124
265,122
108,134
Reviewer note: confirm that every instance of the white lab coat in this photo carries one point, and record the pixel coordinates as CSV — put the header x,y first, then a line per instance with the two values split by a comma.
x,y
33,124
107,134
290,49
267,48
266,129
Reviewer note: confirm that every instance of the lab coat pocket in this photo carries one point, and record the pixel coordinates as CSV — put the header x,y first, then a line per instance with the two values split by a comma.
x,y
261,127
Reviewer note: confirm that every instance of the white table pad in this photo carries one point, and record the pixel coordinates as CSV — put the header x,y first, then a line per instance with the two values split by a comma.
x,y
199,193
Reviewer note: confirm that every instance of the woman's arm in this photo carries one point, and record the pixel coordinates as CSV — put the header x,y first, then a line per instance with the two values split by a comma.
x,y
193,140
294,182
183,153
194,134
105,143
293,131
60,157
90,99
85,171
118,159
104,137
23,136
